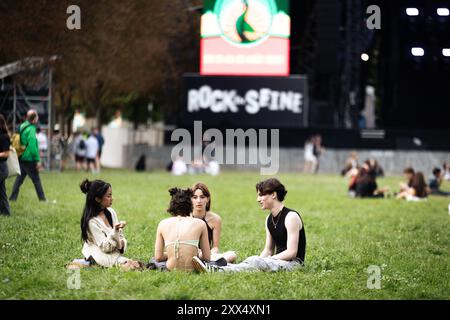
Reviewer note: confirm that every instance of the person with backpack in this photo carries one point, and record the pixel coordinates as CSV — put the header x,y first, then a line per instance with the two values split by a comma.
x,y
80,152
29,160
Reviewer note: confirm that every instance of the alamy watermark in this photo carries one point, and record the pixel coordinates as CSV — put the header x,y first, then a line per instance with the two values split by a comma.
x,y
374,20
73,279
73,22
374,278
234,150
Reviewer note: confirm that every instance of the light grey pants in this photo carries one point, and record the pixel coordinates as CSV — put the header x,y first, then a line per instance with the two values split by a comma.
x,y
256,263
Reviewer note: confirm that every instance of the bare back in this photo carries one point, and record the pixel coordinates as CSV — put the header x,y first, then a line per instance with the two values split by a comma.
x,y
178,235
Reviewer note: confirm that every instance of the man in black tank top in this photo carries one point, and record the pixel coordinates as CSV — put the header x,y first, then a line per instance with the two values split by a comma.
x,y
285,245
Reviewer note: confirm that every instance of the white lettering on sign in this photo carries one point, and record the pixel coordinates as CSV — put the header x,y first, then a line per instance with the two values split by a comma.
x,y
220,101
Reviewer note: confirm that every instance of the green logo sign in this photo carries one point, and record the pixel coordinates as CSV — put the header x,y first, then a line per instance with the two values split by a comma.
x,y
245,21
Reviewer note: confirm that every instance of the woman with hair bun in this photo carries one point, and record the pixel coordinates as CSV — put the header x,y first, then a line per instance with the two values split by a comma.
x,y
179,237
102,233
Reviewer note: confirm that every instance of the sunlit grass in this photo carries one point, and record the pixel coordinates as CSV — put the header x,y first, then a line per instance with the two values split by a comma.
x,y
410,242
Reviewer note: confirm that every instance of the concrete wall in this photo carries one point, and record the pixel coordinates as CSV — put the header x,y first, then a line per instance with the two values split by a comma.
x,y
291,159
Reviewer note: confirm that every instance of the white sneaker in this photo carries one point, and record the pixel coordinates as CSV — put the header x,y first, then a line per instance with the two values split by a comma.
x,y
201,266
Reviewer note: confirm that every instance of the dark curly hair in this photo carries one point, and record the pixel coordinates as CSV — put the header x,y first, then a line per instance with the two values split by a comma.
x,y
180,203
271,185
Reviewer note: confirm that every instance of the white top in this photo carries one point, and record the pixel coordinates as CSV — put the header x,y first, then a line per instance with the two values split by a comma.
x,y
179,167
309,152
213,168
91,147
103,242
42,140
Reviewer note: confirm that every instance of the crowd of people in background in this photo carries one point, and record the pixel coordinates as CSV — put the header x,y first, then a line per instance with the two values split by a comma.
x,y
87,149
200,164
363,182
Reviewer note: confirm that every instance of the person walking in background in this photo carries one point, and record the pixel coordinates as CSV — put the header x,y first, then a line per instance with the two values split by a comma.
x,y
79,145
4,154
310,158
318,150
446,171
58,146
92,153
43,147
30,159
101,141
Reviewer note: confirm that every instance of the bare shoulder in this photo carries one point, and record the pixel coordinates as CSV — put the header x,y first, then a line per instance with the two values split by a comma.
x,y
294,218
163,223
198,223
212,217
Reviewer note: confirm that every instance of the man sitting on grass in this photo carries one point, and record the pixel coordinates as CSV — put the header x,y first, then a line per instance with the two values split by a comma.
x,y
435,182
284,231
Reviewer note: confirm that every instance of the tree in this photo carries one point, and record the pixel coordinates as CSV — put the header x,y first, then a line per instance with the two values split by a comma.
x,y
123,47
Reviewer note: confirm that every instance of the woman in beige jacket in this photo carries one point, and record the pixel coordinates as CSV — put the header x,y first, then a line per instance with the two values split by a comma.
x,y
102,233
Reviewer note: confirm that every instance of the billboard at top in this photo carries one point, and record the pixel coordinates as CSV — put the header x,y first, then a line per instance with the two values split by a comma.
x,y
245,37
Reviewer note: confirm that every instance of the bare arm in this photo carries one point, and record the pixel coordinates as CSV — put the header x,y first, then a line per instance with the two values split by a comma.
x,y
293,225
4,154
269,246
216,235
160,255
405,193
107,241
204,244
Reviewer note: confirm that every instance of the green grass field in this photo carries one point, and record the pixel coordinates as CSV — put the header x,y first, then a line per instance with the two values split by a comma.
x,y
409,241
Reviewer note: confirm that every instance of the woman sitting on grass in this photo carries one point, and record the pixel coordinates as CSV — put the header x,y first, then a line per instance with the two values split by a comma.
x,y
364,184
101,231
179,238
417,191
201,200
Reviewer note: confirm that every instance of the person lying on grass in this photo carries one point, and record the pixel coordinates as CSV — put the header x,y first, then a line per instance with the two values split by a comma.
x,y
284,231
179,237
201,201
102,233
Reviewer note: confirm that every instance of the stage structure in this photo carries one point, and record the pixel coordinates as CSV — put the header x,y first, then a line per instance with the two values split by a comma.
x,y
25,85
244,78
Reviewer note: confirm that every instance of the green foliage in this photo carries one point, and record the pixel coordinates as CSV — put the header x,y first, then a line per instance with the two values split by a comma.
x,y
410,242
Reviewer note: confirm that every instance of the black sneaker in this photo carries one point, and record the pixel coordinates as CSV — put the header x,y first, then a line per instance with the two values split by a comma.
x,y
222,262
201,266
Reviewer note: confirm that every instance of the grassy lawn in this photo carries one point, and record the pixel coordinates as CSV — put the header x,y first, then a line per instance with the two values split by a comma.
x,y
409,241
